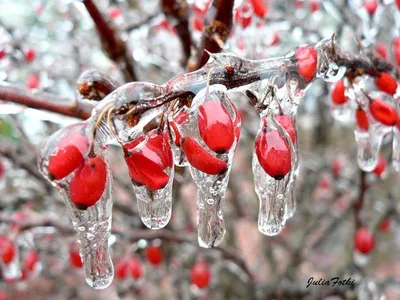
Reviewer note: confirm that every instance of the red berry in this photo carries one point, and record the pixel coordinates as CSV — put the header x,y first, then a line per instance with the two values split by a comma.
x,y
3,295
154,255
336,167
371,6
314,5
3,53
338,93
32,82
273,154
259,8
381,49
146,161
88,184
385,225
68,154
275,39
198,24
386,83
396,50
135,267
121,269
200,274
287,123
307,59
30,55
199,158
114,12
74,256
215,126
7,249
361,119
242,17
383,112
381,166
179,119
324,183
364,241
31,259
2,169
398,4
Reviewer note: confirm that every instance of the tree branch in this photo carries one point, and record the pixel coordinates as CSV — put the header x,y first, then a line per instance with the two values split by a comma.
x,y
41,100
112,43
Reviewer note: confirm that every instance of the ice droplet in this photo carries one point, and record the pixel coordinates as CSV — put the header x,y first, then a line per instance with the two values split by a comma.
x,y
211,188
155,207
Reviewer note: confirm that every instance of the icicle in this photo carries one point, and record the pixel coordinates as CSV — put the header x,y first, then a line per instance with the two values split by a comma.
x,y
85,184
210,167
150,163
273,192
9,262
368,290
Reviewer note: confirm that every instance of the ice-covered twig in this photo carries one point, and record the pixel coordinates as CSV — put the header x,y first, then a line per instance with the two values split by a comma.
x,y
95,85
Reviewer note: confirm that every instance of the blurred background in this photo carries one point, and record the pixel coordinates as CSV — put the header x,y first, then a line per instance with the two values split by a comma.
x,y
44,48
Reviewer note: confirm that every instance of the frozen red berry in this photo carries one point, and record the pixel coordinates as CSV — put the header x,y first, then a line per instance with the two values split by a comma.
x,y
68,155
199,158
396,50
7,249
114,12
364,240
31,260
362,119
287,123
135,267
33,81
3,53
260,9
242,16
215,126
89,182
386,83
338,93
381,166
121,269
198,23
200,274
398,4
154,255
371,6
30,55
385,225
148,160
383,112
336,167
315,5
381,49
2,169
273,154
74,256
307,60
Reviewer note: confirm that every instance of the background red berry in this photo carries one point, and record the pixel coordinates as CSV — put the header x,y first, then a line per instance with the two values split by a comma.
x,y
154,255
200,274
364,240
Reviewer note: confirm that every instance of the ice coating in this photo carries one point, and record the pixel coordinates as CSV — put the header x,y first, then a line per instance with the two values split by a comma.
x,y
396,149
274,195
155,205
93,224
11,270
211,188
